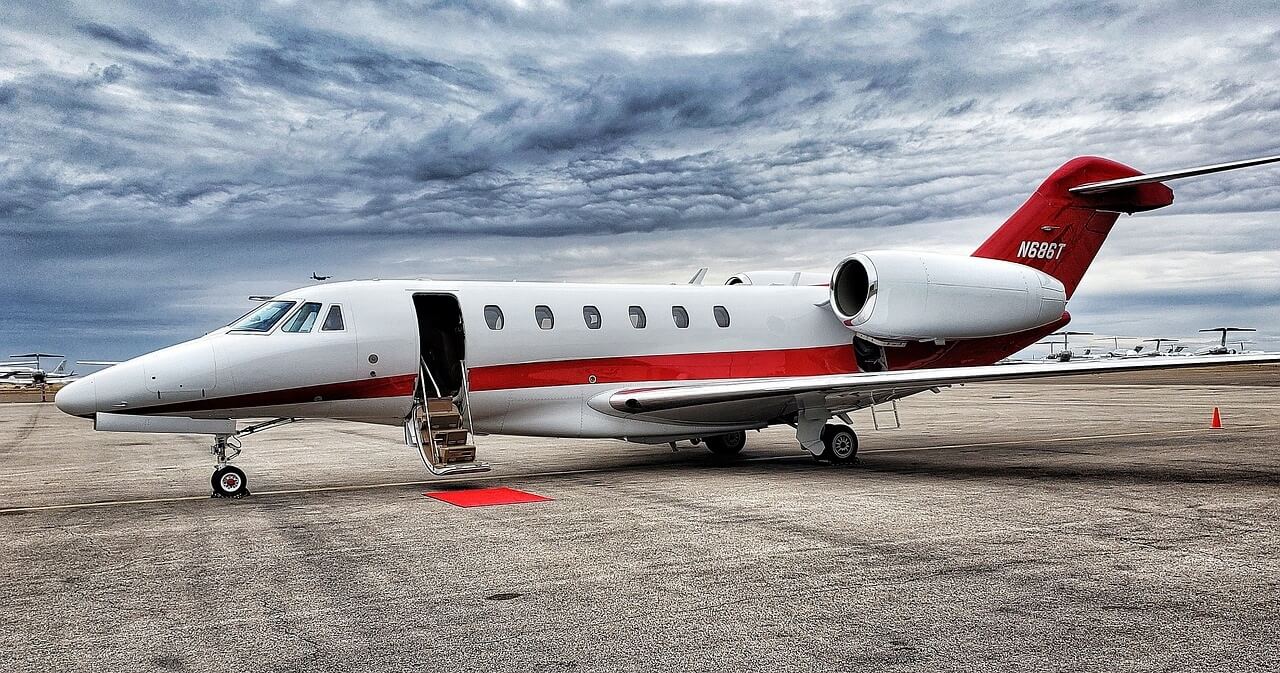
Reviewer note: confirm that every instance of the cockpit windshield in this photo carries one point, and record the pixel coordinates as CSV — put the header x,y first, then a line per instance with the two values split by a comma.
x,y
303,319
263,318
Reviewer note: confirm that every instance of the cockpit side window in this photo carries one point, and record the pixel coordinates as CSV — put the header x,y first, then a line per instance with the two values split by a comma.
x,y
263,318
303,319
333,320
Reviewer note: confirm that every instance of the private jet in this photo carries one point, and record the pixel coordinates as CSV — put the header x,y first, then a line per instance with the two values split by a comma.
x,y
1222,348
31,372
449,359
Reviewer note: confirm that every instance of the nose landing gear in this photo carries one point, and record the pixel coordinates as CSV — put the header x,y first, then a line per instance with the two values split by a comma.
x,y
228,481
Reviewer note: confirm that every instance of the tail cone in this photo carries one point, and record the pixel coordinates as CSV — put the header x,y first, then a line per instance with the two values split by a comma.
x,y
1217,419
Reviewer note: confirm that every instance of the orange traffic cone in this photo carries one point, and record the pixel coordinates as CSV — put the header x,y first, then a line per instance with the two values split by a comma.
x,y
1217,419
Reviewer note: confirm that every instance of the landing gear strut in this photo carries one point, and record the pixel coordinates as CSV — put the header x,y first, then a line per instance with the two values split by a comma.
x,y
228,481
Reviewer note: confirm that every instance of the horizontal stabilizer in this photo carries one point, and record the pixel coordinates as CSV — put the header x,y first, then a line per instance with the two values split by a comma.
x,y
1120,183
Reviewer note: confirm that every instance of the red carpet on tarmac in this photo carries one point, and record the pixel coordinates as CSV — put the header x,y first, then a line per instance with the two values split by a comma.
x,y
482,497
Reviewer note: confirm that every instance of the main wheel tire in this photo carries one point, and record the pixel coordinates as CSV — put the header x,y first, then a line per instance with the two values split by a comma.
x,y
841,444
727,445
229,481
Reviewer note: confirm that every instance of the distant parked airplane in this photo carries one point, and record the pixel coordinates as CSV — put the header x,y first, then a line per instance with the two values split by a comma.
x,y
1221,348
1159,341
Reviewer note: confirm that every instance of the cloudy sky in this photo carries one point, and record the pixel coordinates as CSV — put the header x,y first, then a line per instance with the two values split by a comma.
x,y
160,161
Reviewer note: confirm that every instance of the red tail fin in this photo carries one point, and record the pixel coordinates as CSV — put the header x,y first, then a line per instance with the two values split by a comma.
x,y
1058,232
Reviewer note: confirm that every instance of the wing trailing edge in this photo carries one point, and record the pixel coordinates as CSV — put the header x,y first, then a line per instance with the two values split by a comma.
x,y
679,396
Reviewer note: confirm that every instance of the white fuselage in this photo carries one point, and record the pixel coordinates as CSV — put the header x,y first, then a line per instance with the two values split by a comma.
x,y
523,379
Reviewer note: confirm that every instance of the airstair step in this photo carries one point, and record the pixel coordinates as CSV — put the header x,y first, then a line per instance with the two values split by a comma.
x,y
452,437
441,405
465,453
450,421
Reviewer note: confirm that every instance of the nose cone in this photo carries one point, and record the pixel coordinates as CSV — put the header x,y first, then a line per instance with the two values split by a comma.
x,y
78,398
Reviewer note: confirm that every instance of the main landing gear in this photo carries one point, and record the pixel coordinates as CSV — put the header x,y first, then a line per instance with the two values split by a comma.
x,y
727,445
832,442
840,444
228,481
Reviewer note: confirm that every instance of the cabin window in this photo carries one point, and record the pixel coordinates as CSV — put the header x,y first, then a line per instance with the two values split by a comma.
x,y
304,319
263,318
544,317
637,317
493,317
681,316
333,321
722,316
591,316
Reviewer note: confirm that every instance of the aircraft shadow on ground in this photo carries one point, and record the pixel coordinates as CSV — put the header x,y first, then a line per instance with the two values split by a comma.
x,y
940,465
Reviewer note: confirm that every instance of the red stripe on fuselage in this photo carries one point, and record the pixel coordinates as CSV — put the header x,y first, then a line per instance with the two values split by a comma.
x,y
363,389
675,367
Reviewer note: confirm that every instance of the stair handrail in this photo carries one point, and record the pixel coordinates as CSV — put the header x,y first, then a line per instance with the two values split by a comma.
x,y
466,396
422,366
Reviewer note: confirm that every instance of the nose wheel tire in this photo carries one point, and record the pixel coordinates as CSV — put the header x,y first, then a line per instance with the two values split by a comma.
x,y
727,445
841,444
229,482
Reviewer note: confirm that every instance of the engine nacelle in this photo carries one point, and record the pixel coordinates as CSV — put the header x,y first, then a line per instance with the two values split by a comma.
x,y
777,278
894,296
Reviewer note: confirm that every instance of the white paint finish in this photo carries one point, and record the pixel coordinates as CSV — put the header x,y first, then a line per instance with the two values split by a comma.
x,y
251,362
762,318
177,424
185,368
926,296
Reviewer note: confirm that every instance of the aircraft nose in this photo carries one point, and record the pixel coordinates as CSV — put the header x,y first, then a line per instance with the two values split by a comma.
x,y
78,398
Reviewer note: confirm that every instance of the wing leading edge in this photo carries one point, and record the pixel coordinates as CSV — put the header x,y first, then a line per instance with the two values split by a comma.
x,y
681,396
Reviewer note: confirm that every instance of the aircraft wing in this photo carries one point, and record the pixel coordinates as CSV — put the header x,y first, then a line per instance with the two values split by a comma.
x,y
853,391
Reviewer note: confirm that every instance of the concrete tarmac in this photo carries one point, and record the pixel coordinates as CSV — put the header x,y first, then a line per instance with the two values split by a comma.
x,y
1011,527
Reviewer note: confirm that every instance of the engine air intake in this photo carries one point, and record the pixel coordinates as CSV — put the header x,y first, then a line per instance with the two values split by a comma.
x,y
851,287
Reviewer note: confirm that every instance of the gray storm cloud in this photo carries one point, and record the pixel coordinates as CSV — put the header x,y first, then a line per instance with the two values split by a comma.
x,y
162,161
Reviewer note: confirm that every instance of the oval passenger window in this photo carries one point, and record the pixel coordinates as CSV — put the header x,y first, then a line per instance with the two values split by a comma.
x,y
722,316
544,317
681,316
493,316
